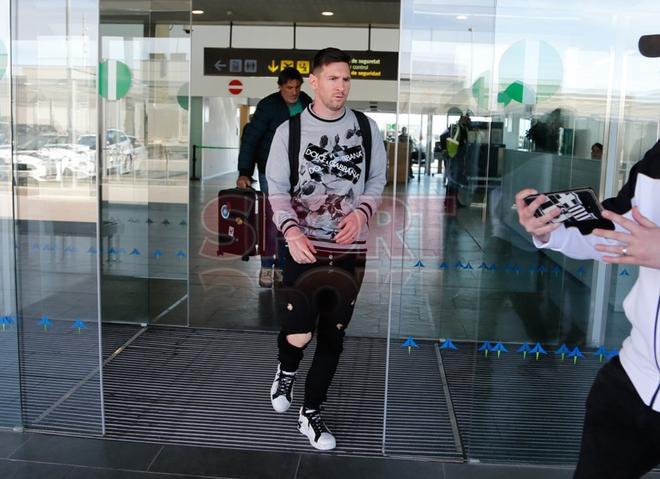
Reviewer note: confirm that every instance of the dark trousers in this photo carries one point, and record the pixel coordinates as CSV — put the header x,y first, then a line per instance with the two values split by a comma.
x,y
319,298
621,434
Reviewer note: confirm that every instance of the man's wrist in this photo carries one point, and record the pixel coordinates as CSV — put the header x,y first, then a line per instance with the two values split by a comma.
x,y
364,215
291,229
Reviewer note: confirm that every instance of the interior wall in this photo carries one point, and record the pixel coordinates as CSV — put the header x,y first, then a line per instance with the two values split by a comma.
x,y
221,131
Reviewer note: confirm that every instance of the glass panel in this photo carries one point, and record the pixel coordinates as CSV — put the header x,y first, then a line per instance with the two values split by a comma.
x,y
54,65
638,130
145,69
10,414
524,97
439,56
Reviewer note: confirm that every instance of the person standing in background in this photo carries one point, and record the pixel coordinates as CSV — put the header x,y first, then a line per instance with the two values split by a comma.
x,y
257,136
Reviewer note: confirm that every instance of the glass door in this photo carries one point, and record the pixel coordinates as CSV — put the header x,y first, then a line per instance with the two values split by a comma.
x,y
143,82
49,187
10,415
550,96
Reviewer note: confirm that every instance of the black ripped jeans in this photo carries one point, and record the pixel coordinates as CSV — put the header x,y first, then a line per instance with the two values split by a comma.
x,y
318,297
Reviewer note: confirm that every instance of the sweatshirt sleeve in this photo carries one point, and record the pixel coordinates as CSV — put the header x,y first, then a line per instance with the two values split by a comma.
x,y
374,184
574,244
279,182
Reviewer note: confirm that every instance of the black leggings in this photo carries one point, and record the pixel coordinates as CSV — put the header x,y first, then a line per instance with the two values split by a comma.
x,y
325,291
621,435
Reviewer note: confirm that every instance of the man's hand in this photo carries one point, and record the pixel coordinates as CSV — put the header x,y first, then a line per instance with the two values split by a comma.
x,y
350,227
243,182
640,246
540,227
301,248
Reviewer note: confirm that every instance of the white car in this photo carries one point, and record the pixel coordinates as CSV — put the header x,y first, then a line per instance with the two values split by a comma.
x,y
119,154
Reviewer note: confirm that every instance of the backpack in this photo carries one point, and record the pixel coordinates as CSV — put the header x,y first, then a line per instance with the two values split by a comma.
x,y
294,144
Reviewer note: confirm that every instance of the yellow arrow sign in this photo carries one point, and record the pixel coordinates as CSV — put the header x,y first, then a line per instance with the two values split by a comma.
x,y
273,67
286,63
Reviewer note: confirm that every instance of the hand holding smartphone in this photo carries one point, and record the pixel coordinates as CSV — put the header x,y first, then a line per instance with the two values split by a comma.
x,y
579,208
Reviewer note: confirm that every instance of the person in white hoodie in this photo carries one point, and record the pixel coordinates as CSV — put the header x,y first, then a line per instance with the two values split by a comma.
x,y
621,432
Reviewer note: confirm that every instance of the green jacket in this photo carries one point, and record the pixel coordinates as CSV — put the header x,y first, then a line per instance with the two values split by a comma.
x,y
271,112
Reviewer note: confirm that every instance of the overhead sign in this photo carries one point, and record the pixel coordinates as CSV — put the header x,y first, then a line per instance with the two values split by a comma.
x,y
115,79
244,62
235,87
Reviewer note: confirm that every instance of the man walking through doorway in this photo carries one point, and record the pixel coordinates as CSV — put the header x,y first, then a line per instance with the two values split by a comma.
x,y
271,112
323,198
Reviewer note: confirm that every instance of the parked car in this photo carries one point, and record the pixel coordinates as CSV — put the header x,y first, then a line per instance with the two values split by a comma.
x,y
119,153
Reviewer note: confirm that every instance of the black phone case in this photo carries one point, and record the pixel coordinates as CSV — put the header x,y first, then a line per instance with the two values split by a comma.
x,y
580,208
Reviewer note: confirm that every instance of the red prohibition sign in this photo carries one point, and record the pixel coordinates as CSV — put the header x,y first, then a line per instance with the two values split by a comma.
x,y
235,87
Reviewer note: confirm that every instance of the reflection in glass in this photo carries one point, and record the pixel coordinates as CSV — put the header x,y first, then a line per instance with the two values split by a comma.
x,y
10,398
144,74
54,68
520,101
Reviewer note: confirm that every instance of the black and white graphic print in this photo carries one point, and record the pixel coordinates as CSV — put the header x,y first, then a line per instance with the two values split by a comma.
x,y
328,173
579,208
571,206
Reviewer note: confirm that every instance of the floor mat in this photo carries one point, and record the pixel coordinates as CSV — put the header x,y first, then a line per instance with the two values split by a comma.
x,y
210,388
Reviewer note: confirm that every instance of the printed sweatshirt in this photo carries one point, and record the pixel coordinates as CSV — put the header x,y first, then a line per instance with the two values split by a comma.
x,y
332,181
640,354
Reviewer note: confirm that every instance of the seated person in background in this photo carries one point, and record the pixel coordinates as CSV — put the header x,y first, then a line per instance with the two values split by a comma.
x,y
596,151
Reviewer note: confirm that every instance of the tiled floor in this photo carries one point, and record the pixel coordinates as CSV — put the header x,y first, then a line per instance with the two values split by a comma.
x,y
37,456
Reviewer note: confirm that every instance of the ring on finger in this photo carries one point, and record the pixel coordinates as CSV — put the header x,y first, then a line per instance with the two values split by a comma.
x,y
624,251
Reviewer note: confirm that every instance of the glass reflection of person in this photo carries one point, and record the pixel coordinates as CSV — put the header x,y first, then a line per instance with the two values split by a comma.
x,y
621,432
545,133
596,151
456,170
404,137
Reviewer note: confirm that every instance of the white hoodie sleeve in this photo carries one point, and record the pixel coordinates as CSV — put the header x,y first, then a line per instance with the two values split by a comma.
x,y
574,244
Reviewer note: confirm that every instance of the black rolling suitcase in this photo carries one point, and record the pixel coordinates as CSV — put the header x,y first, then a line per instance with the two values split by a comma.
x,y
241,222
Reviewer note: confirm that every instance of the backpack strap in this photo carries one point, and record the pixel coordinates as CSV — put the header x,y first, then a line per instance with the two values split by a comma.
x,y
294,150
365,129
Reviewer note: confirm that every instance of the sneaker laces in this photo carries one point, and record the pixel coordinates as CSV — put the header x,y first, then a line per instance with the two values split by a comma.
x,y
284,384
315,419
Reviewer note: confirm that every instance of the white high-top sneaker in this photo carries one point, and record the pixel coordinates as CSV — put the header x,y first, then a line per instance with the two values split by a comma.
x,y
281,392
311,425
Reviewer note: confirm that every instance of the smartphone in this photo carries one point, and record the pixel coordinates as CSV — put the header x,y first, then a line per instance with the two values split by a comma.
x,y
579,208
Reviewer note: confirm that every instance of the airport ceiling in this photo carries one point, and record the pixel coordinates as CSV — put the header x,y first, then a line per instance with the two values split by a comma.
x,y
307,12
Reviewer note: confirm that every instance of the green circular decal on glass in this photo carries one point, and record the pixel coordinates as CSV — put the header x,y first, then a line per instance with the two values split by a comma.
x,y
183,96
529,71
3,59
115,79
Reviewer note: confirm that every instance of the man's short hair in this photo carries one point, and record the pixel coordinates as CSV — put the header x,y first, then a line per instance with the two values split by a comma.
x,y
288,74
597,145
327,56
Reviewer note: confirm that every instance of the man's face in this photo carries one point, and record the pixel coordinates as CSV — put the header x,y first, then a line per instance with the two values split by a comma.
x,y
290,91
331,85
